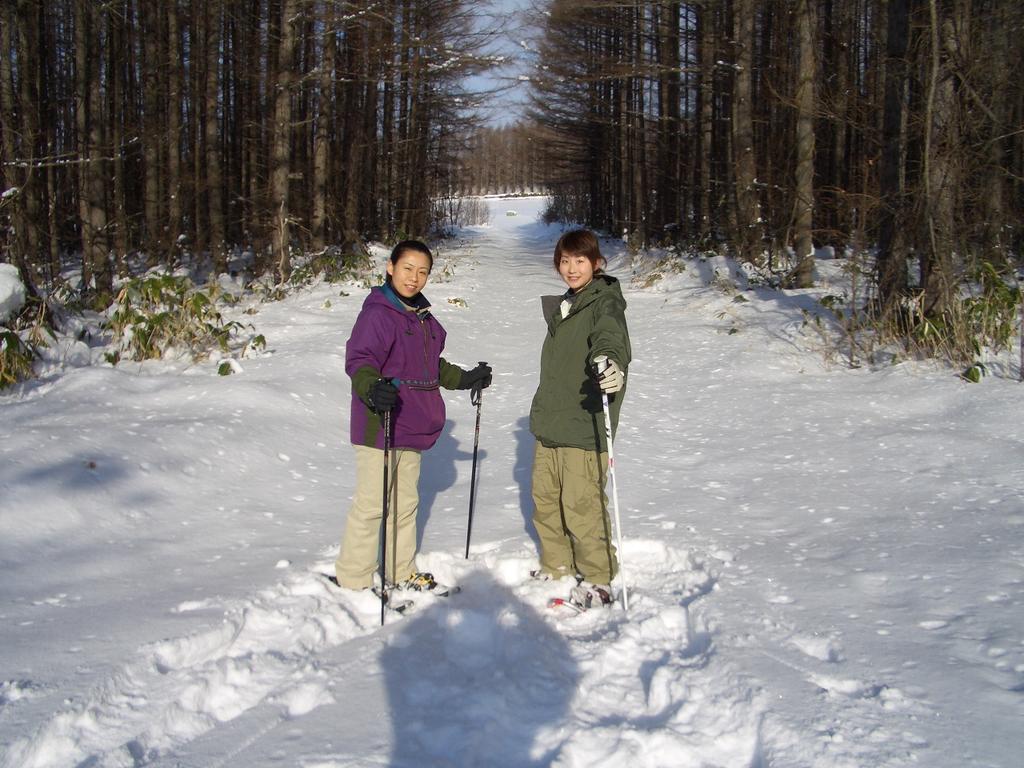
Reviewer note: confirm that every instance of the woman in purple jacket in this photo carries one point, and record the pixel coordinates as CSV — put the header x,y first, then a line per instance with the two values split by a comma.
x,y
394,360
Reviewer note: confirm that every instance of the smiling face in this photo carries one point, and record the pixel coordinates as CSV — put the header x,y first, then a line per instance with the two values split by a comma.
x,y
576,270
409,273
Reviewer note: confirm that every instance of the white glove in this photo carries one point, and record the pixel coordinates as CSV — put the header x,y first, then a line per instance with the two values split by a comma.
x,y
609,376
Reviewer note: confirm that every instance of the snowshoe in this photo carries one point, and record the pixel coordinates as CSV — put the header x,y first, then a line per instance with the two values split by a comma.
x,y
398,605
425,582
393,603
586,595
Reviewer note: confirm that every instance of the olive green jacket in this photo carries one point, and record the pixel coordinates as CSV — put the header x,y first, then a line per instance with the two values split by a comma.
x,y
567,410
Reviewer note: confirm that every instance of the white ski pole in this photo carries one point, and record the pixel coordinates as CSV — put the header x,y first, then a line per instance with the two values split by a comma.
x,y
601,362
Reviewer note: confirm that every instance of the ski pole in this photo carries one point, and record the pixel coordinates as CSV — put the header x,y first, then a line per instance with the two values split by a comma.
x,y
384,520
476,397
601,363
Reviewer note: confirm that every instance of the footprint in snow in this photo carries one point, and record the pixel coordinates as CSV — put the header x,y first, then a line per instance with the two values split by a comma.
x,y
822,648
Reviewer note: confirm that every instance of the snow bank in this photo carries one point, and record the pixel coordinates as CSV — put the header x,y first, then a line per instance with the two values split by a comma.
x,y
12,292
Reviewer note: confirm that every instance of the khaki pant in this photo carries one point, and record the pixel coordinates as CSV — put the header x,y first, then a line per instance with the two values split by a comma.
x,y
359,557
571,513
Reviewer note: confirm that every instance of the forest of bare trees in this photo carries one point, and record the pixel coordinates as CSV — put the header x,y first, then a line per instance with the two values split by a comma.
x,y
763,126
137,128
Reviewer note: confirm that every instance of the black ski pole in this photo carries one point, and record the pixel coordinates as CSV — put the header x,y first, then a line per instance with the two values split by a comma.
x,y
476,397
384,520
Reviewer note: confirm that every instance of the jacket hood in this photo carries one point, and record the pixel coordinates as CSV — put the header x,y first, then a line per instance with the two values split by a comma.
x,y
603,285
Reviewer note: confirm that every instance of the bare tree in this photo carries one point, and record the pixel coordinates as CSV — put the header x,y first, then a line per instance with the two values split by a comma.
x,y
749,235
28,105
892,260
806,108
153,129
281,143
117,117
214,149
324,119
12,207
167,231
705,125
92,204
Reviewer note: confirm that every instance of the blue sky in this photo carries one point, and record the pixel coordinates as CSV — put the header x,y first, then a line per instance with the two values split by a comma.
x,y
512,18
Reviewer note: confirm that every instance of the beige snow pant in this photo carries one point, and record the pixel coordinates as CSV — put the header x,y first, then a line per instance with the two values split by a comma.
x,y
359,557
571,513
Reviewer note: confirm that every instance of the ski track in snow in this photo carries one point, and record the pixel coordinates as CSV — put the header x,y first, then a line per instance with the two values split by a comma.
x,y
531,683
822,572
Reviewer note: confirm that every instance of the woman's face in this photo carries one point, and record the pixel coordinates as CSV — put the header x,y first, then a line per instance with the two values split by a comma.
x,y
409,274
576,270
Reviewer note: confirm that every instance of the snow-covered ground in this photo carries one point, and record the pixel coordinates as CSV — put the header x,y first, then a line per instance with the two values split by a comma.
x,y
825,565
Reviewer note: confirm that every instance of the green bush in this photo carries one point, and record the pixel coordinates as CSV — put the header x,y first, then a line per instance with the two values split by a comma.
x,y
333,265
984,318
16,359
153,315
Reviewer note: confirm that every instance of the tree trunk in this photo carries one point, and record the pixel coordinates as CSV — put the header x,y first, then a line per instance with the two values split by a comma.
x,y
942,157
892,246
669,127
197,30
253,111
116,115
169,232
321,139
10,130
152,139
705,129
1000,33
749,234
280,162
214,149
359,133
93,212
805,104
29,72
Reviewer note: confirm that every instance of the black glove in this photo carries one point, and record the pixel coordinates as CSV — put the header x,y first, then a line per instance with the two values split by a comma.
x,y
476,379
383,396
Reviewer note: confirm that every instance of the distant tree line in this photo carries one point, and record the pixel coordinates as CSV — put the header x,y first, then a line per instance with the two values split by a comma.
x,y
138,127
771,125
501,160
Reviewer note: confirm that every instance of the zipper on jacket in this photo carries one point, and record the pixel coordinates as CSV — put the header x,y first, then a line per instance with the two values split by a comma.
x,y
426,347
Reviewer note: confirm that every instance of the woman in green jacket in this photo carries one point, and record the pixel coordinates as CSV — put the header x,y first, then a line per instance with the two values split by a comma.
x,y
571,461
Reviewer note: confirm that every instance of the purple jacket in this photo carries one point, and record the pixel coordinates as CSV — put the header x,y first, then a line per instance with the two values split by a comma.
x,y
392,341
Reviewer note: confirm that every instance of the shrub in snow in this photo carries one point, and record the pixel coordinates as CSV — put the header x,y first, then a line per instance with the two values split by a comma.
x,y
15,358
982,318
164,315
333,265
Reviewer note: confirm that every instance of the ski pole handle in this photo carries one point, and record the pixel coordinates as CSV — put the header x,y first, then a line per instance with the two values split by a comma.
x,y
476,394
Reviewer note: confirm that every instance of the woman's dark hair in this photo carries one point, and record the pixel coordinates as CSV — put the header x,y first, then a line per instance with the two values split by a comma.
x,y
580,242
411,245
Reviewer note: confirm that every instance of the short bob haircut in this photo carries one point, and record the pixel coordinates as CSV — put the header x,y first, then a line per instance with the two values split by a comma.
x,y
580,242
411,245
